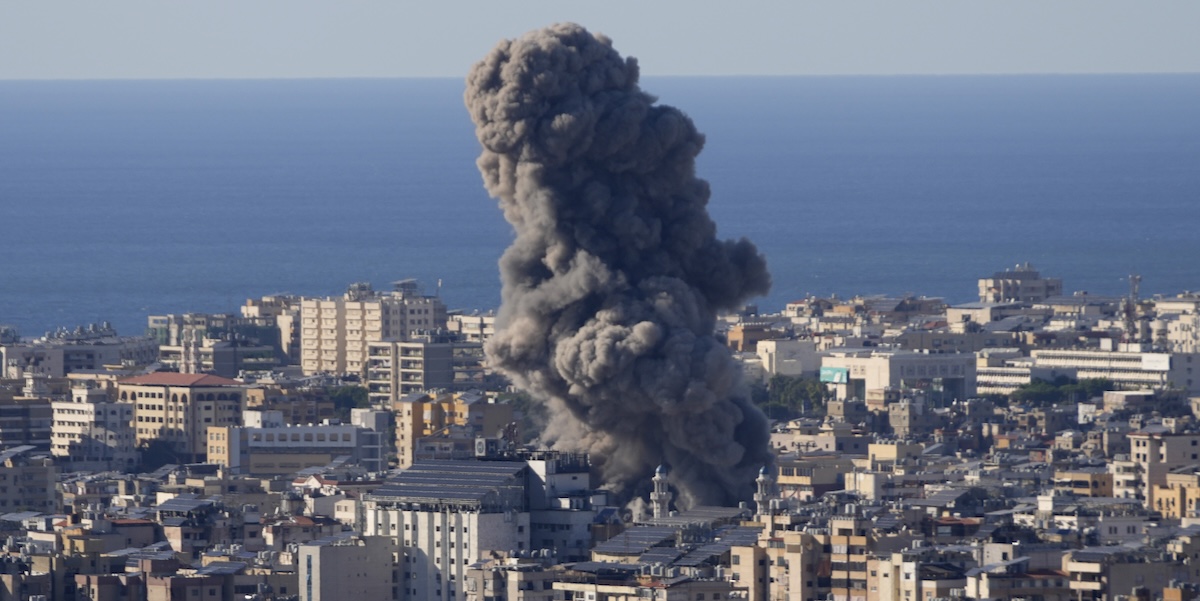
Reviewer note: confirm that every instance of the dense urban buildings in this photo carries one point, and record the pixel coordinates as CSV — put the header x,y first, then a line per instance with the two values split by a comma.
x,y
1030,446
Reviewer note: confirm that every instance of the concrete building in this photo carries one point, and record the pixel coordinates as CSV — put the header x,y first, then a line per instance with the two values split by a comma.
x,y
177,409
472,328
857,373
350,567
450,515
26,420
222,357
1022,284
267,446
27,480
422,418
1127,370
335,332
62,352
395,369
284,311
1155,452
789,357
219,343
93,432
447,515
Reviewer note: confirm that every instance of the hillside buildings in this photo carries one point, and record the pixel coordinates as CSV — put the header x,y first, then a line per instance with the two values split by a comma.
x,y
1031,446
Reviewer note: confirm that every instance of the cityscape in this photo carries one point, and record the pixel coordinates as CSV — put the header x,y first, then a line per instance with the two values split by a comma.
x,y
639,409
1033,444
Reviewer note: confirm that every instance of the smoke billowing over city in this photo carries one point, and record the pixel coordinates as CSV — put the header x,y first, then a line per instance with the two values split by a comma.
x,y
613,283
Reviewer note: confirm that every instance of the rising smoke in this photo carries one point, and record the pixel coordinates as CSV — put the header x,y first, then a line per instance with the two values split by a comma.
x,y
611,288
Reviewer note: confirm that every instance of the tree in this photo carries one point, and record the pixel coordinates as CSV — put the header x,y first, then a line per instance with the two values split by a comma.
x,y
346,398
789,397
1062,389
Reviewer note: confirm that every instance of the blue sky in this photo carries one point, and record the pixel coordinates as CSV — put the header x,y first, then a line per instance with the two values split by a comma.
x,y
394,38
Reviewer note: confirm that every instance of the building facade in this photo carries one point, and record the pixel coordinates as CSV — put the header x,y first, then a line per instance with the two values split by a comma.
x,y
335,332
93,432
176,410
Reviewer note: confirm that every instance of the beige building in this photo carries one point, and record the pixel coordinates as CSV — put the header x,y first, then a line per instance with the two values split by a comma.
x,y
421,419
284,311
1021,284
1155,451
178,409
789,357
267,446
1085,482
472,328
27,481
350,567
1180,496
60,353
335,332
93,432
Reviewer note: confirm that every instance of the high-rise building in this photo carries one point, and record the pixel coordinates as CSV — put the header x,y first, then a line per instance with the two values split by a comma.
x,y
335,332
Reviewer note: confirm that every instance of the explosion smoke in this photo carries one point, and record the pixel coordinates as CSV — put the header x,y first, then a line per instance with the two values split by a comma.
x,y
611,288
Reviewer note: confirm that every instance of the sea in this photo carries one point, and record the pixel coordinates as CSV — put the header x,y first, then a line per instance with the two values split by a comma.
x,y
122,199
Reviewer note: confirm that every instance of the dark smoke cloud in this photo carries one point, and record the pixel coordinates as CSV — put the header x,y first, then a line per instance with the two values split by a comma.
x,y
612,286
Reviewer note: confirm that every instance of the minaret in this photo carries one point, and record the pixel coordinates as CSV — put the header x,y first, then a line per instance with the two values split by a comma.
x,y
660,499
762,498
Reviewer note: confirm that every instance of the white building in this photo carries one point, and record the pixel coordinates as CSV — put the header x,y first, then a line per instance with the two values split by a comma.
x,y
1127,370
859,373
789,357
91,432
447,515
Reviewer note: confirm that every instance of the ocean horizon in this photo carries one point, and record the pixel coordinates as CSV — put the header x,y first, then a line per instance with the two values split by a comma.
x,y
125,198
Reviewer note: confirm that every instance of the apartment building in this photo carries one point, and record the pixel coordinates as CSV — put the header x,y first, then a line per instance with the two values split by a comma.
x,y
27,480
335,332
59,353
346,566
1021,284
1155,452
284,311
447,515
395,369
178,409
422,418
93,432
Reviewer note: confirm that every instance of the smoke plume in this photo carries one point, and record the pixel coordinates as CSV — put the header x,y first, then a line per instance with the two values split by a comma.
x,y
612,286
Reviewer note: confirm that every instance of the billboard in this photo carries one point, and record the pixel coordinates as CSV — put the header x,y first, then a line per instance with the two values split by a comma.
x,y
835,375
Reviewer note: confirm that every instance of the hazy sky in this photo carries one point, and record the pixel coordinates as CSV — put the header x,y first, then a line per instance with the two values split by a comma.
x,y
396,38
